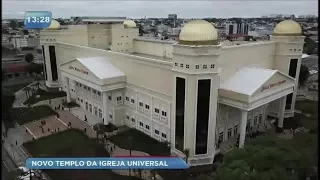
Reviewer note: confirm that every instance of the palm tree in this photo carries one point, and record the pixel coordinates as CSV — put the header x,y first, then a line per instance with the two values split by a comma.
x,y
186,152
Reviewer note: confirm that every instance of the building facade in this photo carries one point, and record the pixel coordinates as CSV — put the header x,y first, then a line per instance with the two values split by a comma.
x,y
236,28
196,94
19,42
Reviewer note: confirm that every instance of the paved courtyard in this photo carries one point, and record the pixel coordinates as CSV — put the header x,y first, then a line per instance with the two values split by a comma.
x,y
52,125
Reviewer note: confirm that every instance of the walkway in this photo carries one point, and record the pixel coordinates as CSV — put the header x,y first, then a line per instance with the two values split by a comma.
x,y
16,137
116,151
80,113
66,117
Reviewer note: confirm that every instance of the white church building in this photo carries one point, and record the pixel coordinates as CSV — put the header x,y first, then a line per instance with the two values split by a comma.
x,y
196,93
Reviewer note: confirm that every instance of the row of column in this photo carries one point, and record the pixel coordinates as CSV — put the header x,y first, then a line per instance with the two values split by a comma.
x,y
104,96
244,119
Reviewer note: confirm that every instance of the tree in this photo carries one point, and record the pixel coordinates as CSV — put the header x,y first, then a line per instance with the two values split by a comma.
x,y
271,158
8,98
20,24
13,24
309,46
304,74
99,128
29,58
25,32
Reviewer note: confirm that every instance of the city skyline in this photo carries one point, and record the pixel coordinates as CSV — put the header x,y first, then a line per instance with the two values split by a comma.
x,y
161,9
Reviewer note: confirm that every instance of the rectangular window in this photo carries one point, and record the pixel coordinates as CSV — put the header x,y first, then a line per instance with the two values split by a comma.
x,y
255,121
85,87
235,130
90,108
99,93
197,66
163,113
180,110
44,63
94,91
293,67
147,106
221,137
100,113
86,105
141,124
119,98
96,111
204,66
140,104
229,133
53,62
147,127
110,116
164,135
127,98
110,98
127,117
156,110
260,119
132,101
156,132
133,120
292,72
202,121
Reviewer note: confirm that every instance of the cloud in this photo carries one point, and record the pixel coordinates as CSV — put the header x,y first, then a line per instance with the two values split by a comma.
x,y
157,8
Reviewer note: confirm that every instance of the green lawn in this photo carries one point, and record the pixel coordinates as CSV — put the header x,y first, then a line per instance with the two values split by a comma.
x,y
16,87
307,106
140,142
44,95
72,143
27,114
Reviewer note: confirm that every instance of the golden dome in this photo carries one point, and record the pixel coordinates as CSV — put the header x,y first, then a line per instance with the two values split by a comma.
x,y
198,32
287,28
54,25
129,24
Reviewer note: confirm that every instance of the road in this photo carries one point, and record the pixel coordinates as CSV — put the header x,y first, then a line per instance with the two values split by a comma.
x,y
7,165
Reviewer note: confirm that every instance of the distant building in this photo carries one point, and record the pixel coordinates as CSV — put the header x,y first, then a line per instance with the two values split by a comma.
x,y
236,28
172,16
5,39
33,42
19,42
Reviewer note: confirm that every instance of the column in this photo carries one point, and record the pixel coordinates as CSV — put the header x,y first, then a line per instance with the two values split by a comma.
x,y
243,127
66,80
105,107
281,113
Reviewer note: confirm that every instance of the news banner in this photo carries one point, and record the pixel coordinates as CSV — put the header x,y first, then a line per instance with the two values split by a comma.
x,y
107,163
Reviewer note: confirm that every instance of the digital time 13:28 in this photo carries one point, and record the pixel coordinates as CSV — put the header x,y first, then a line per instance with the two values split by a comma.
x,y
38,19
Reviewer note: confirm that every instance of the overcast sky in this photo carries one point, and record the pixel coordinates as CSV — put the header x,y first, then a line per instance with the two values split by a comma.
x,y
160,8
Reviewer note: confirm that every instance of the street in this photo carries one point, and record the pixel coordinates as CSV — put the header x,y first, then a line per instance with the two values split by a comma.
x,y
7,166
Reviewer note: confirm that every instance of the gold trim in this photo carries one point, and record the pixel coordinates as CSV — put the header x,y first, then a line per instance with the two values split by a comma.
x,y
210,42
287,34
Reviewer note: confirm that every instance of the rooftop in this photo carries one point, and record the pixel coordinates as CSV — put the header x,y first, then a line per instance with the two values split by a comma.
x,y
151,56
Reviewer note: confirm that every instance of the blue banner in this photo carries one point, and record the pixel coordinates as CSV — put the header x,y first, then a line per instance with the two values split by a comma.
x,y
107,163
